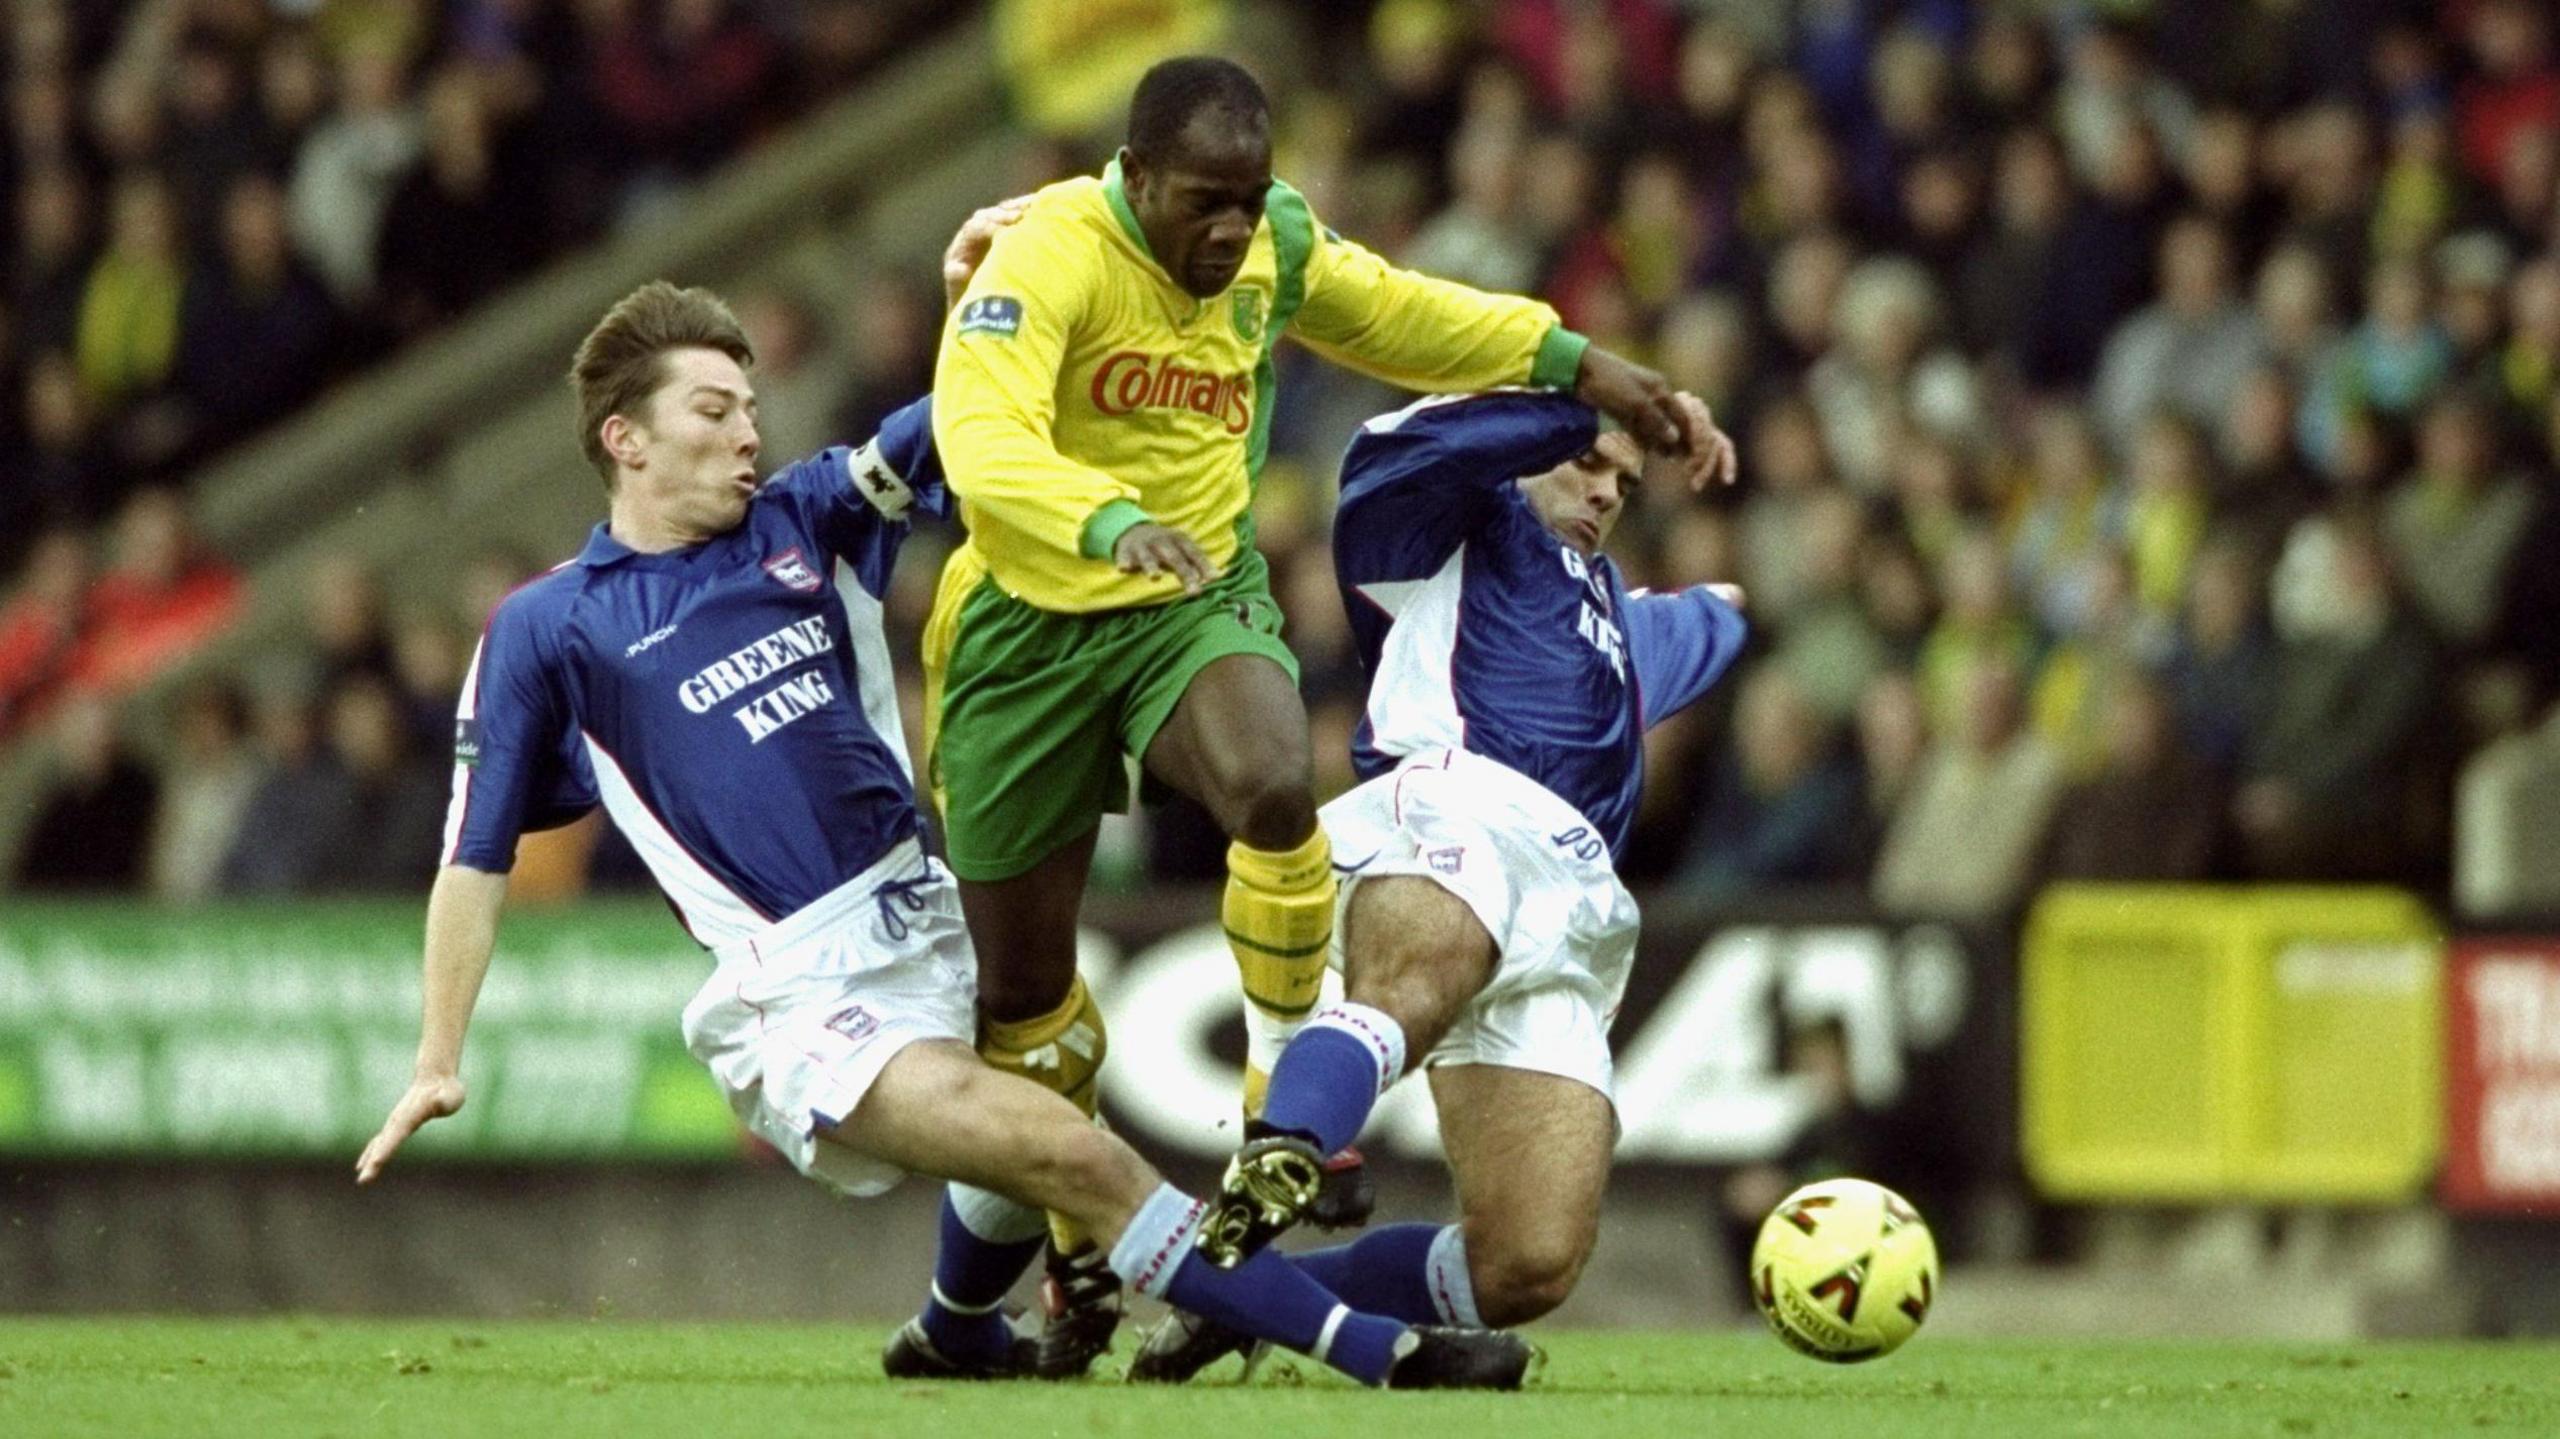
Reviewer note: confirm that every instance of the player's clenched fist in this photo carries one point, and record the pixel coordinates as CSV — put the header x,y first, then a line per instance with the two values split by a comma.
x,y
1152,549
1663,420
428,1098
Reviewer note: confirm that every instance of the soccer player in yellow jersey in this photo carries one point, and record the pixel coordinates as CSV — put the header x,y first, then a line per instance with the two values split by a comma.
x,y
1102,404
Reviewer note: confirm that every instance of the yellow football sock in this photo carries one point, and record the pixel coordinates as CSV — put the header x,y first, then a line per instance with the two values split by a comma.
x,y
1060,1051
1278,914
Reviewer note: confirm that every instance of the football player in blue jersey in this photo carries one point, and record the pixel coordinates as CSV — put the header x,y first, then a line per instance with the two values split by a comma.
x,y
1484,934
711,670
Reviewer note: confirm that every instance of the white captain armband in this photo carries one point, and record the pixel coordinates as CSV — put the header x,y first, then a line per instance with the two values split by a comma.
x,y
879,482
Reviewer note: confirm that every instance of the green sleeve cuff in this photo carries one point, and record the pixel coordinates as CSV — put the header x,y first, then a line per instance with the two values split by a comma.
x,y
1559,361
1102,532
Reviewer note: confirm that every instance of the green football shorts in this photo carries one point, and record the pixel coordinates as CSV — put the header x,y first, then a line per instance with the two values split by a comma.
x,y
1030,714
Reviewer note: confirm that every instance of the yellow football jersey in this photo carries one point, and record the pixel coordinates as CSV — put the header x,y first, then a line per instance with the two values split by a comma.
x,y
1080,391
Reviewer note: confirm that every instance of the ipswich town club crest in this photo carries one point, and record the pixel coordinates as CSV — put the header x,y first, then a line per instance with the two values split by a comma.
x,y
1246,310
794,571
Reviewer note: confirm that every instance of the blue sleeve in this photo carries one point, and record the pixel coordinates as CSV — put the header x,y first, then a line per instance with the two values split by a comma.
x,y
1417,482
513,766
1679,644
858,501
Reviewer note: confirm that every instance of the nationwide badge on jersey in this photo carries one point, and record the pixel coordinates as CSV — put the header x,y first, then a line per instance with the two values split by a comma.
x,y
991,315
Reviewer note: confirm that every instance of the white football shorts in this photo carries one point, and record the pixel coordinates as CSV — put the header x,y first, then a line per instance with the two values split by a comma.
x,y
1536,874
798,1020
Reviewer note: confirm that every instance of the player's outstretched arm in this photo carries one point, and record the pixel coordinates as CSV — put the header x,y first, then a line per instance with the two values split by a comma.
x,y
462,931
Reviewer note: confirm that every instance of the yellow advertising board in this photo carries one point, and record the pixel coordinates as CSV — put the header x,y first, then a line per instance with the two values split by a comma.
x,y
1070,64
2186,1043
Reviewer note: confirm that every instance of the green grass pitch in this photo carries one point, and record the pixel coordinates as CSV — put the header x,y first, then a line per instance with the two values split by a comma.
x,y
272,1379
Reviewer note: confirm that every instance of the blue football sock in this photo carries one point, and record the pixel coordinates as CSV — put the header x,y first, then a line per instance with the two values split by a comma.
x,y
987,1241
1385,1271
1413,1272
1332,1073
1266,1296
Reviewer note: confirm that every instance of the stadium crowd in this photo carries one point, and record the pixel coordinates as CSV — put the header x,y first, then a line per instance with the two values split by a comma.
x,y
218,206
2151,412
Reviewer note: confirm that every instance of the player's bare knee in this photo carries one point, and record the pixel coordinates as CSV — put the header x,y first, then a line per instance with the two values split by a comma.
x,y
1523,1277
1270,806
1415,952
1079,1169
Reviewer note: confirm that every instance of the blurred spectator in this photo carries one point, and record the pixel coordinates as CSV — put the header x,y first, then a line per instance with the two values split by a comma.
x,y
1418,50
1784,808
2019,264
2506,808
2223,665
2454,526
2110,94
127,340
428,662
2064,521
42,623
162,598
2150,812
2327,780
387,814
1828,648
294,814
90,828
1977,628
1784,469
2384,368
2296,328
1882,374
681,82
2323,159
2529,367
2261,485
453,232
1477,240
2514,90
2186,352
2079,685
52,261
2166,515
799,384
1893,743
895,325
2472,270
1964,843
343,622
68,473
204,790
214,133
2220,168
259,326
346,170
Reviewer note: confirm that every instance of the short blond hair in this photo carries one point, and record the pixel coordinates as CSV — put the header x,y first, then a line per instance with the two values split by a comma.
x,y
620,363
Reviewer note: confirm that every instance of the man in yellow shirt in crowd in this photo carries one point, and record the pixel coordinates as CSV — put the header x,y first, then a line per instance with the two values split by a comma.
x,y
1102,404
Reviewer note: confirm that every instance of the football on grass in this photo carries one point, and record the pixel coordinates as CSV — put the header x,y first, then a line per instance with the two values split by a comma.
x,y
1844,1270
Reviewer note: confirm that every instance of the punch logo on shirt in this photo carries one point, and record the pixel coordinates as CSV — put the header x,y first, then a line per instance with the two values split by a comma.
x,y
998,315
794,571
